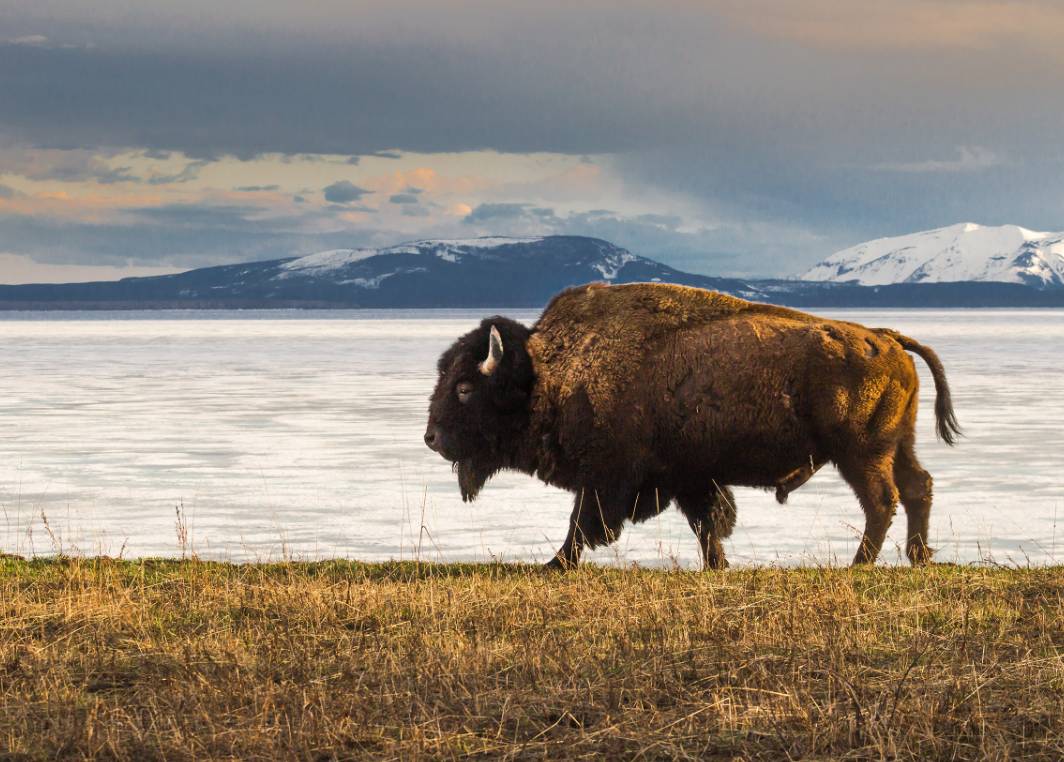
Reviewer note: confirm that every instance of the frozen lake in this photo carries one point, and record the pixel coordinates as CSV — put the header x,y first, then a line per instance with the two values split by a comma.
x,y
299,434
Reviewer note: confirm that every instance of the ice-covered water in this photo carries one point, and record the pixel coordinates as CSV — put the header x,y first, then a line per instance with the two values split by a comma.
x,y
299,433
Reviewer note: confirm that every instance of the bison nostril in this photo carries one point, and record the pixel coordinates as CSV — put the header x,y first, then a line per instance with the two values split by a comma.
x,y
430,439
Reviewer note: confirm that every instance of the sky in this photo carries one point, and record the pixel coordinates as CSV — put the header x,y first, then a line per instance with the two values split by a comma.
x,y
723,137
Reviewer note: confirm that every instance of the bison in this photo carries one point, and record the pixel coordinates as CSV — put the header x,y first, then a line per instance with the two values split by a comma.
x,y
632,396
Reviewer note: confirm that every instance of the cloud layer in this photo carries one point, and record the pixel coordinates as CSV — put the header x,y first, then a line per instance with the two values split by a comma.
x,y
723,137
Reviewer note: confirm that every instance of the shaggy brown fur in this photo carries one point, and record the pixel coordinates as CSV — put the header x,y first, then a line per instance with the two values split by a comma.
x,y
634,396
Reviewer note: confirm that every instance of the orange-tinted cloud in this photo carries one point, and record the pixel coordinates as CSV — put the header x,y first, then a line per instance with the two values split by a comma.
x,y
903,24
428,180
69,205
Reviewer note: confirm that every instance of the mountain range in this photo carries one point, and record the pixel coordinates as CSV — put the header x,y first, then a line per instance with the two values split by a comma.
x,y
963,252
513,272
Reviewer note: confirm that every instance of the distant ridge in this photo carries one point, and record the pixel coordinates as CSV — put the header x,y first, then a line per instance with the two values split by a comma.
x,y
963,252
476,273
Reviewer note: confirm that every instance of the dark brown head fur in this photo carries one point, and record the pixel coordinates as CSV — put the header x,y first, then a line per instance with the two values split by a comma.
x,y
480,429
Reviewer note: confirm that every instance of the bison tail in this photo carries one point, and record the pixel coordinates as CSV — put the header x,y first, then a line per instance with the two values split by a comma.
x,y
945,419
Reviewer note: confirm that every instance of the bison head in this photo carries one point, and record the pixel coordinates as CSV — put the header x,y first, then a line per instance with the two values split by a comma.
x,y
479,410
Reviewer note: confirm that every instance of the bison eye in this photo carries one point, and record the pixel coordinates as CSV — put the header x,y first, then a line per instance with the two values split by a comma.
x,y
464,389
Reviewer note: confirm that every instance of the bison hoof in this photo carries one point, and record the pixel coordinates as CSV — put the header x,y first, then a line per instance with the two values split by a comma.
x,y
781,495
920,555
556,564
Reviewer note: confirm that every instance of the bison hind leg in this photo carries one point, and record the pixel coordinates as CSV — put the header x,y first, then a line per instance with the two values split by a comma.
x,y
711,515
872,480
914,485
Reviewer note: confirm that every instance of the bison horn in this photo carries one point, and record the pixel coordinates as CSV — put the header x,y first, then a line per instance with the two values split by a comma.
x,y
494,353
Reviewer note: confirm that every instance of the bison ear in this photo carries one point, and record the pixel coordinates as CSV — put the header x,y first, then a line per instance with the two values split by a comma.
x,y
491,362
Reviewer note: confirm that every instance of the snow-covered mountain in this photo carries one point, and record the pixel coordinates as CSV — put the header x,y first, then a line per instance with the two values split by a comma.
x,y
368,268
963,252
490,271
328,262
474,272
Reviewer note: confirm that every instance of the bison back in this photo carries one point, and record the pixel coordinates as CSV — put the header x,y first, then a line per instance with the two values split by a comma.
x,y
674,380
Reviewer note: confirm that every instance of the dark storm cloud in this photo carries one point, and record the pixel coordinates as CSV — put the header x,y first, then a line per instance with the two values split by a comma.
x,y
369,97
365,101
257,188
612,77
343,192
403,198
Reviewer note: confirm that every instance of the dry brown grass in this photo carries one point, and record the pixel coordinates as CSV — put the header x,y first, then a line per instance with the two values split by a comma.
x,y
193,660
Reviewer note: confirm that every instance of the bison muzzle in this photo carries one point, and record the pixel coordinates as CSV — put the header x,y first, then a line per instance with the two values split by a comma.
x,y
635,396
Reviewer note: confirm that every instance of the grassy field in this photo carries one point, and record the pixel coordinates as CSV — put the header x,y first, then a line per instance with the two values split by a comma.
x,y
338,660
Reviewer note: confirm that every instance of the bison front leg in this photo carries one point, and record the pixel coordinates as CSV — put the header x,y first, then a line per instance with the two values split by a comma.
x,y
596,520
712,518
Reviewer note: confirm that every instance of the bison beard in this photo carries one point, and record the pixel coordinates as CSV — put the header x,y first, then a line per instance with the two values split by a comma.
x,y
636,396
471,479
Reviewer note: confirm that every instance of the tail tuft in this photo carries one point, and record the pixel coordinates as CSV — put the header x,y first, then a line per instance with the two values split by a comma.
x,y
945,419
